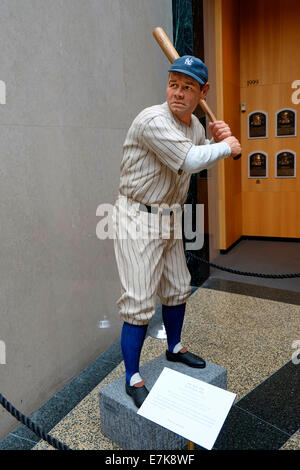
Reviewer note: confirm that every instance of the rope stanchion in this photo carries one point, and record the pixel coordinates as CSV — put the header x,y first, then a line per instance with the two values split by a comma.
x,y
31,425
243,273
59,445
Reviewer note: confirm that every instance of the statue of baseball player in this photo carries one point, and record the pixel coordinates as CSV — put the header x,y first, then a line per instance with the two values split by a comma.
x,y
165,144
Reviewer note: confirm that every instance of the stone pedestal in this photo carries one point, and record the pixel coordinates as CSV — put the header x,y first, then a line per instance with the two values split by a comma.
x,y
118,414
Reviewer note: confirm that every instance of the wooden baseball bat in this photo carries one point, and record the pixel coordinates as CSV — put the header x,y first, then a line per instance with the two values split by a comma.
x,y
171,53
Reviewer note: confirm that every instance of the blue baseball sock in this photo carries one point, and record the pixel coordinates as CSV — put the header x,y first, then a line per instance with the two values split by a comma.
x,y
132,339
173,320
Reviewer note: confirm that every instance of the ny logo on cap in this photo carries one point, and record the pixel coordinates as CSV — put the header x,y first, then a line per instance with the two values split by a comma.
x,y
188,61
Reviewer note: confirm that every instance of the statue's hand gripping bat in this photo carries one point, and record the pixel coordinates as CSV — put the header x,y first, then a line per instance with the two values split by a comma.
x,y
171,53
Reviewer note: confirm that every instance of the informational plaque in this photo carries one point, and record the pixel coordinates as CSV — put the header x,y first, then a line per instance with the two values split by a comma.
x,y
258,165
187,406
286,123
257,125
286,164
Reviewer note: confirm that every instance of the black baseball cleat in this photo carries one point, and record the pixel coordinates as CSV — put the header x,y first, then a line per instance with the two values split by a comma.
x,y
187,358
138,394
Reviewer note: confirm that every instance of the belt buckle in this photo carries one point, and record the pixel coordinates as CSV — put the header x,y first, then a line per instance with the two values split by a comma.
x,y
162,211
149,209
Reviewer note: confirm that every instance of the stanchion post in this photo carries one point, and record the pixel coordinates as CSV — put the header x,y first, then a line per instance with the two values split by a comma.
x,y
191,445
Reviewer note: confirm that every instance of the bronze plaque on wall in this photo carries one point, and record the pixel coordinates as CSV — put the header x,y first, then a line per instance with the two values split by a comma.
x,y
258,162
286,123
257,125
286,165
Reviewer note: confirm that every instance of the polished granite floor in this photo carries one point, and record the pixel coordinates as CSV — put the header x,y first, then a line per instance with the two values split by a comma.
x,y
247,328
261,256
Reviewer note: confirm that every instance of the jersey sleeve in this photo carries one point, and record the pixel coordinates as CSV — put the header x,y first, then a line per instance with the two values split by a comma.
x,y
168,143
202,157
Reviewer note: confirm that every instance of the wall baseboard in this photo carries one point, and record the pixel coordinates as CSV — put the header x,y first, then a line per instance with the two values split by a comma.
x,y
250,237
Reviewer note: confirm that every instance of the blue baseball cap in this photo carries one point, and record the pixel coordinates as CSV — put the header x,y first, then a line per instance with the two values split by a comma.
x,y
191,66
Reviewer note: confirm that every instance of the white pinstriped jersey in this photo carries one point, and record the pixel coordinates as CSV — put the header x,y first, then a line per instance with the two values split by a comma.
x,y
154,150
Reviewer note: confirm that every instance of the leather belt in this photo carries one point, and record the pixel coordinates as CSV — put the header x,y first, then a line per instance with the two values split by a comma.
x,y
155,209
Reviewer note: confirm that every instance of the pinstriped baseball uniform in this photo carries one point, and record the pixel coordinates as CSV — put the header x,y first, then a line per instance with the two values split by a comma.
x,y
154,150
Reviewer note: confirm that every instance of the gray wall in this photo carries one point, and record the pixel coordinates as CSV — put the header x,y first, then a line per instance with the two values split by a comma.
x,y
76,73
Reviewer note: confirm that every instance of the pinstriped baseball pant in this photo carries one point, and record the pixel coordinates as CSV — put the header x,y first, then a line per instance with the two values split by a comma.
x,y
148,265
